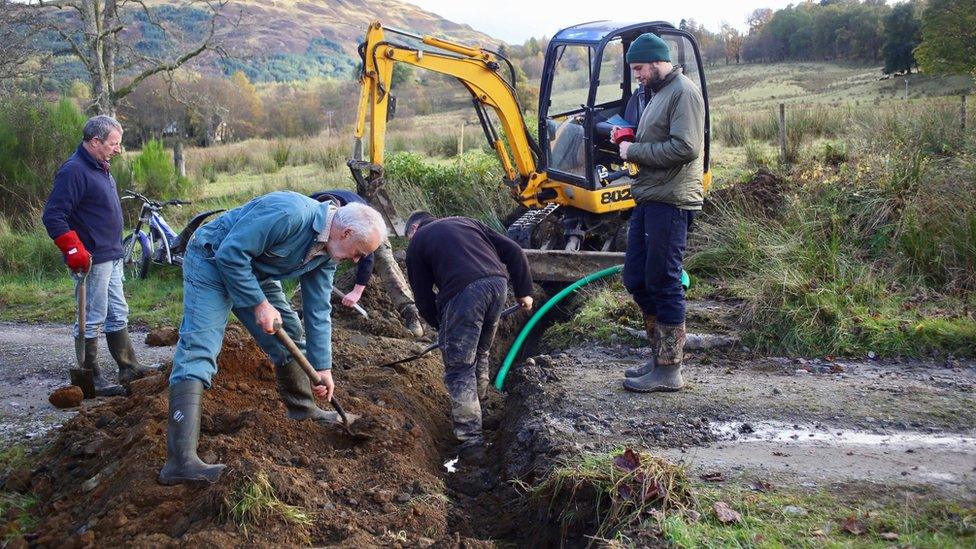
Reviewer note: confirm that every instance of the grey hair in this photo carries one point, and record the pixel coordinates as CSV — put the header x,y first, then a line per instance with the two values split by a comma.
x,y
100,126
362,220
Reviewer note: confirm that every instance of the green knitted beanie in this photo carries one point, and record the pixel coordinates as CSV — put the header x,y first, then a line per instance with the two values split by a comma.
x,y
648,48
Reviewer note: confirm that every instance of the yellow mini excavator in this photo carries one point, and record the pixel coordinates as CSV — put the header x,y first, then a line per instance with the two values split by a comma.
x,y
571,185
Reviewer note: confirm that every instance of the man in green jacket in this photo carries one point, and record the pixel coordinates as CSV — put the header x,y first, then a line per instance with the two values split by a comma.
x,y
668,151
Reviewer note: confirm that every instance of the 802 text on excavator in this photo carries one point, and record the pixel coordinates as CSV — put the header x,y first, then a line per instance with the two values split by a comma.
x,y
572,187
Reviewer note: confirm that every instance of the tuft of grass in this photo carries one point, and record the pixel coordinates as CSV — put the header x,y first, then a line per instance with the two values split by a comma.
x,y
600,314
597,496
255,501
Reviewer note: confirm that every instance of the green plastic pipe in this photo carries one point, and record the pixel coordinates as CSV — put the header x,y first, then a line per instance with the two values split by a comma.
x,y
510,358
517,345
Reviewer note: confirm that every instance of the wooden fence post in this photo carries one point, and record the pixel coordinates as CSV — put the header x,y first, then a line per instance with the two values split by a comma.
x,y
782,133
962,113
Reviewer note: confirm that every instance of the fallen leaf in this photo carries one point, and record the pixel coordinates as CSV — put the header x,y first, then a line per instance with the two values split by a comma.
x,y
652,491
780,454
628,461
625,491
853,526
725,513
713,476
889,536
760,485
818,533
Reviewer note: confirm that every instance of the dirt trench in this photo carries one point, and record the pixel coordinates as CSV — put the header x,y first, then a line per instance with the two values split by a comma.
x,y
96,481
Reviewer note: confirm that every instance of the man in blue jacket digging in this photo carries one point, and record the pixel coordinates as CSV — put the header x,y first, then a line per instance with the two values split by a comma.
x,y
236,263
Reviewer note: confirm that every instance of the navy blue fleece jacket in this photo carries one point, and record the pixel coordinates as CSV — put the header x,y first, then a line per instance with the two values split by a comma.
x,y
84,199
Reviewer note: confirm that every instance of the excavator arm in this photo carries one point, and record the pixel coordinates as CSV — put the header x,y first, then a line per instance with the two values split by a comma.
x,y
479,71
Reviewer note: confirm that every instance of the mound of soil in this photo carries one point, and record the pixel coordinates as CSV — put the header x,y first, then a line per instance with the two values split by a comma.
x,y
97,483
763,195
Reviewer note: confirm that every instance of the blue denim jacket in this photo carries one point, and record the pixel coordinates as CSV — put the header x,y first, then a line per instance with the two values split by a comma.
x,y
269,238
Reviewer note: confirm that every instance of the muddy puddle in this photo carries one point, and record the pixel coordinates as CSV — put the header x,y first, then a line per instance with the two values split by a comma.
x,y
774,431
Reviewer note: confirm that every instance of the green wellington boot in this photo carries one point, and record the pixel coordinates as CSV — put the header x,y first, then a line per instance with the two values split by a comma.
x,y
182,436
296,392
120,346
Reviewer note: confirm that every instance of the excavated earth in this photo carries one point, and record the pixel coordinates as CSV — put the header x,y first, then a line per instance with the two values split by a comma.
x,y
898,424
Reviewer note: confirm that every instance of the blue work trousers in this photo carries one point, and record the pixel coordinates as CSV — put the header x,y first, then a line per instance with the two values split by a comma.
x,y
655,251
105,306
206,304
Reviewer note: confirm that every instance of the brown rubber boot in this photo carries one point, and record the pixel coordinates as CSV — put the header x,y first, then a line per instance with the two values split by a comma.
x,y
666,376
120,346
652,339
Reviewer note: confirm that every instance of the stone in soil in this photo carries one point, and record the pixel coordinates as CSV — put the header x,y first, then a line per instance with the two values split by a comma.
x,y
66,397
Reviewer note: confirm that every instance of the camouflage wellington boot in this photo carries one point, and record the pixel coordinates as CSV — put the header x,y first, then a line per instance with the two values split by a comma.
x,y
652,339
666,376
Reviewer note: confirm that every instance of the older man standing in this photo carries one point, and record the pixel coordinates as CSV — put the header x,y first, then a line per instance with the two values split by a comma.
x,y
235,264
84,217
668,191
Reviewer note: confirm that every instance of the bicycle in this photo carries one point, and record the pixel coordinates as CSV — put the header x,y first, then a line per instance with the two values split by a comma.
x,y
160,245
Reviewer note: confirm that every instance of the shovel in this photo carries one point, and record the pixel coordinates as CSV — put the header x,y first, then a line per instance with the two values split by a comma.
x,y
313,377
81,376
507,312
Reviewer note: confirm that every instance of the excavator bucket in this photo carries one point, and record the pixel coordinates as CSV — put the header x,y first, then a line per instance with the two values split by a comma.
x,y
568,266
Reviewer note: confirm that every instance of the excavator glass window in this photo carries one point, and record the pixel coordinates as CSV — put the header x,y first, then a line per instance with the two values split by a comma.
x,y
570,87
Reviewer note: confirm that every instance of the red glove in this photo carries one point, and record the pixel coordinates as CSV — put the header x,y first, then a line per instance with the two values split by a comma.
x,y
619,135
75,254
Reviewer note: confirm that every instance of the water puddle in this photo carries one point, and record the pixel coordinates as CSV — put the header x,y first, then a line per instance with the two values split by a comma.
x,y
772,431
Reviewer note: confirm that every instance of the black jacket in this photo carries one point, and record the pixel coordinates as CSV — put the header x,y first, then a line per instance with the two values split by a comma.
x,y
452,252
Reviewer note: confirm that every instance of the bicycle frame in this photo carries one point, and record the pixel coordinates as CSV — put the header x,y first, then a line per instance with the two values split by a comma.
x,y
148,216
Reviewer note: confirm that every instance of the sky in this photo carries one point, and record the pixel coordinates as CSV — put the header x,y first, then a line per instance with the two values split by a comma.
x,y
515,21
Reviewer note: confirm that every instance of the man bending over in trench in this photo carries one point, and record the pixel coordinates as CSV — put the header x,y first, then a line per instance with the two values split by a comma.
x,y
470,265
235,263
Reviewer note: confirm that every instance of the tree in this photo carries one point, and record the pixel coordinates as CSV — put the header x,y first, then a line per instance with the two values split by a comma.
x,y
100,34
732,40
948,37
16,34
902,35
757,20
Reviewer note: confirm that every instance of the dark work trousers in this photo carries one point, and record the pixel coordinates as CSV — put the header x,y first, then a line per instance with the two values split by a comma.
x,y
468,324
655,251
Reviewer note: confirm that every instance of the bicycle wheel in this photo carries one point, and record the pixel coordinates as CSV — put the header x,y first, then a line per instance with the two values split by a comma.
x,y
135,258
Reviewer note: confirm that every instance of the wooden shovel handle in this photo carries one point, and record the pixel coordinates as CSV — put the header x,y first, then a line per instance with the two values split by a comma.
x,y
289,344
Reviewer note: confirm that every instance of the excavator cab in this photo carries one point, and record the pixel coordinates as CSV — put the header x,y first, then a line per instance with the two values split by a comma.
x,y
586,90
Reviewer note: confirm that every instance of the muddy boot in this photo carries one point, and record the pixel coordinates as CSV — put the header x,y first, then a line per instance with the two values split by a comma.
x,y
182,436
666,375
472,453
411,320
102,386
120,346
296,393
652,340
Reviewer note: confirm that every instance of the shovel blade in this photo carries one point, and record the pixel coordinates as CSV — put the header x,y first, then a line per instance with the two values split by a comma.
x,y
83,378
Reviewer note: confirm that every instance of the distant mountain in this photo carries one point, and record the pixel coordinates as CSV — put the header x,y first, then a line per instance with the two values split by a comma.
x,y
294,39
283,40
